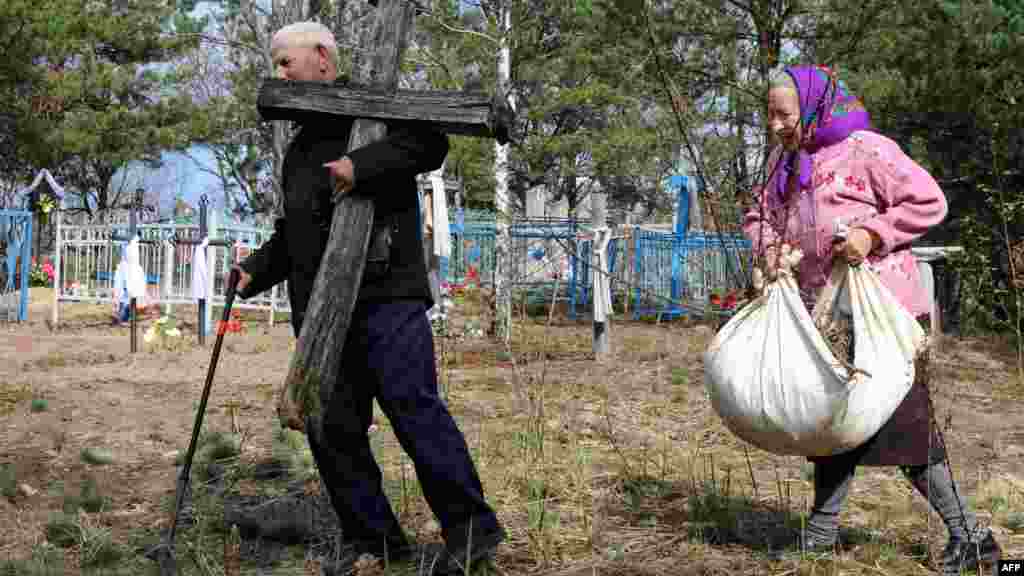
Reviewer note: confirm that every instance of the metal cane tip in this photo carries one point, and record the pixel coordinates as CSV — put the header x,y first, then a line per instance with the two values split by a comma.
x,y
164,556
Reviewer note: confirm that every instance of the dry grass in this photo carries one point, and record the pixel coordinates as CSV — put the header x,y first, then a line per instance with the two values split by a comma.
x,y
617,468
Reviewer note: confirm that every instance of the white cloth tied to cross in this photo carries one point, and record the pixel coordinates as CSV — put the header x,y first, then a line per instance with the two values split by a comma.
x,y
135,276
602,285
775,382
439,200
200,276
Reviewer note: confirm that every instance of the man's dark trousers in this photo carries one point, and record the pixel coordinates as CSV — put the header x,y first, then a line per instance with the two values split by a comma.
x,y
389,355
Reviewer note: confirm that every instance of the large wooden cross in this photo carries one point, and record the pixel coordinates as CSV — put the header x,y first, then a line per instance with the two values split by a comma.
x,y
315,364
465,113
372,98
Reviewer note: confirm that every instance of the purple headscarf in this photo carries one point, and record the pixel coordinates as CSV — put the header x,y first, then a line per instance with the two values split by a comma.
x,y
826,107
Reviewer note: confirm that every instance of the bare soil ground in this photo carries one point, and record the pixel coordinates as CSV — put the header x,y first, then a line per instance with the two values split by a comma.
x,y
619,467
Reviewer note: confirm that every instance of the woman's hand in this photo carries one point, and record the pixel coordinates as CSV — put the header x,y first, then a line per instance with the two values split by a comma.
x,y
858,244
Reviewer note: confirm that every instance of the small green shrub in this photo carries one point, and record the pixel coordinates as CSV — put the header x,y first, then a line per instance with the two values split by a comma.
x,y
680,377
8,481
97,456
218,445
1015,521
291,449
89,497
63,530
46,560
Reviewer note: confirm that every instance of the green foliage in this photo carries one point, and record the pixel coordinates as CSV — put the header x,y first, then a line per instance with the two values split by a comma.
x,y
990,302
581,104
87,93
942,75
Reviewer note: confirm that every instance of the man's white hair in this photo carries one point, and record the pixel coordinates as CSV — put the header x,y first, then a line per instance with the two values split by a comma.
x,y
779,78
306,34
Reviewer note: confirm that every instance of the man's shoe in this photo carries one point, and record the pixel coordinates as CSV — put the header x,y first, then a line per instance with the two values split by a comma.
x,y
961,555
480,549
357,556
811,544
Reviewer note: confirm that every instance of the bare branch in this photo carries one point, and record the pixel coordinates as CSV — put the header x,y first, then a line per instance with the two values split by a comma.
x,y
450,28
219,41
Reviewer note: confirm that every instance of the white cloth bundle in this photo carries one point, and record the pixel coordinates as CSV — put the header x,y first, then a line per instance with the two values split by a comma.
x,y
776,384
199,271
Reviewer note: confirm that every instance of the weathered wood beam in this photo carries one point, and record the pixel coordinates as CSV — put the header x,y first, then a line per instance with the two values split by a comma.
x,y
452,112
315,371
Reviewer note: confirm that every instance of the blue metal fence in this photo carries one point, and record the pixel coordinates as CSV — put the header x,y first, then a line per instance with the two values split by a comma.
x,y
542,255
16,244
675,274
670,274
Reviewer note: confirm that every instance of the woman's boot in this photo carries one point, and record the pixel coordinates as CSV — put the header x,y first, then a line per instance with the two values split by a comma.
x,y
968,546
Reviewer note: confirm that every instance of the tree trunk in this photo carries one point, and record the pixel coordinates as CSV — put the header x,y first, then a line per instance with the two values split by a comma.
x,y
502,328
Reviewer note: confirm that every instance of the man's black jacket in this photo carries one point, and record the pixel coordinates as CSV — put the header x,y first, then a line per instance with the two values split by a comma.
x,y
387,171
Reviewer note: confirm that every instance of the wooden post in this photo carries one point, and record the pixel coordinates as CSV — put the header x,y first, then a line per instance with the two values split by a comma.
x,y
167,277
212,223
132,231
273,300
201,315
599,271
315,367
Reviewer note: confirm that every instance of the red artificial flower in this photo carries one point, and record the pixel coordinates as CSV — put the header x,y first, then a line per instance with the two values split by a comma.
x,y
730,301
716,300
229,326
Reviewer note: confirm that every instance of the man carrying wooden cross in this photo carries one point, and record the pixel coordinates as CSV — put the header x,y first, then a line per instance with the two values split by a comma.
x,y
389,349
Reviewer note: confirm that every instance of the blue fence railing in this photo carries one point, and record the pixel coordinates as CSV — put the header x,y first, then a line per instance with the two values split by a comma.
x,y
16,245
676,275
660,273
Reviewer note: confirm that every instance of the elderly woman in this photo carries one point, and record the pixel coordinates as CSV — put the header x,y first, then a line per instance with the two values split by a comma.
x,y
839,190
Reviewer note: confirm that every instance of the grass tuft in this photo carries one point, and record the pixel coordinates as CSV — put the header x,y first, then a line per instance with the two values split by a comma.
x,y
8,481
97,456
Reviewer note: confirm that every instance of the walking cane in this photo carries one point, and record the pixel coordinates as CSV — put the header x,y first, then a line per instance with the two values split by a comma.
x,y
163,553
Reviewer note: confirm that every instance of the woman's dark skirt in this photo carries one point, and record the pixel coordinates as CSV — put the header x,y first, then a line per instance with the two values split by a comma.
x,y
910,437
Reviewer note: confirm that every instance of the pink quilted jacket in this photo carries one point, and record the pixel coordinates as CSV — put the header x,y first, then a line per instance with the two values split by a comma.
x,y
864,181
